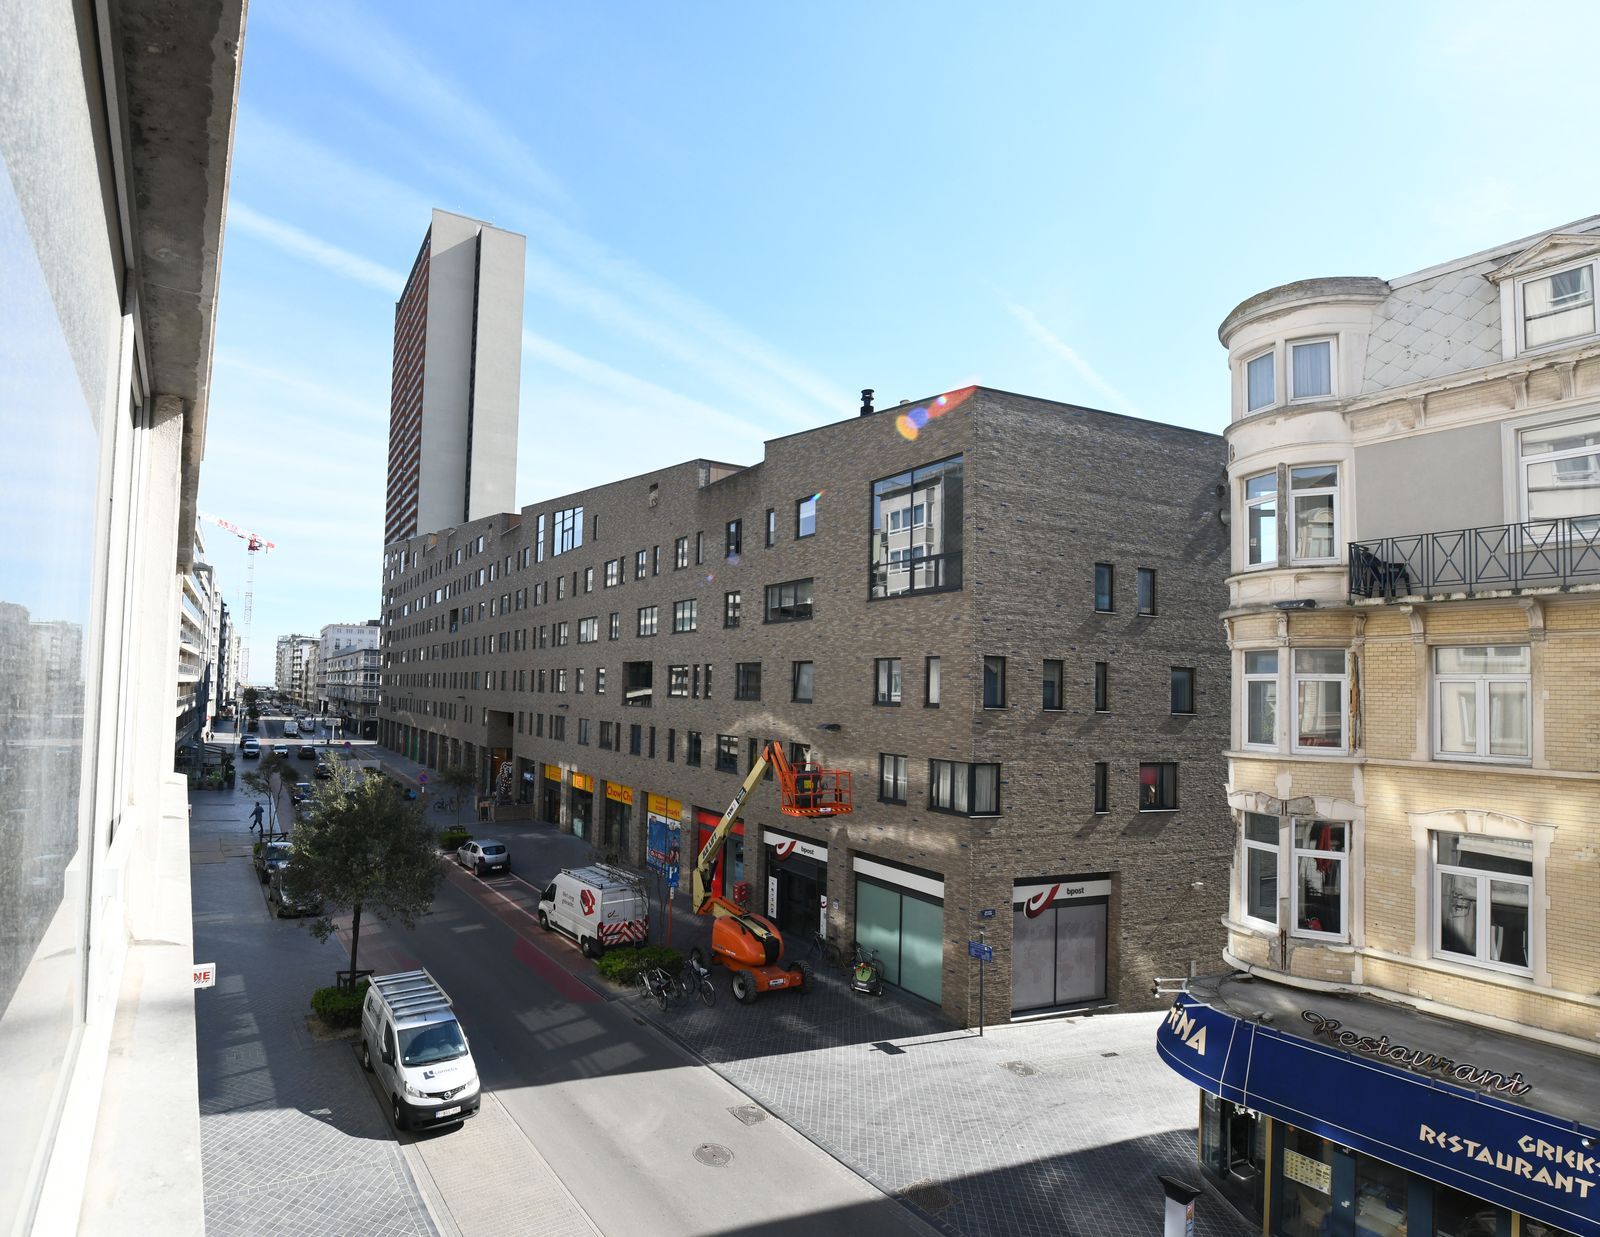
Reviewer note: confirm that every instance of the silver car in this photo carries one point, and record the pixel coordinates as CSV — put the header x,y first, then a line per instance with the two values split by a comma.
x,y
484,856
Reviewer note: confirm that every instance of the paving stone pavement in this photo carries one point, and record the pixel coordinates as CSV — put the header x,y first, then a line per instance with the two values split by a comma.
x,y
291,1139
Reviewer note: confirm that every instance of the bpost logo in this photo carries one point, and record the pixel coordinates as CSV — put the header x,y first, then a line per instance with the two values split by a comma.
x,y
785,849
1189,1032
1040,902
586,900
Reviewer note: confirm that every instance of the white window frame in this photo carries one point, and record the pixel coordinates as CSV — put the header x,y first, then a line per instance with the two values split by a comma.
x,y
1251,503
1295,679
1276,679
1521,463
1519,308
1340,857
1481,682
1275,849
1333,368
1244,371
1437,871
1294,496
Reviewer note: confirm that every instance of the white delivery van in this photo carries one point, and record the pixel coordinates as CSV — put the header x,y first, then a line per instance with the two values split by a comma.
x,y
597,906
410,1038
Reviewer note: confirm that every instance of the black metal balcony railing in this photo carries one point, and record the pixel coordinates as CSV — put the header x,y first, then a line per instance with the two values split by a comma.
x,y
1534,554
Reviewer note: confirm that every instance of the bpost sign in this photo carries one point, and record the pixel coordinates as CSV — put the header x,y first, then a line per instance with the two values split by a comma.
x,y
1472,1139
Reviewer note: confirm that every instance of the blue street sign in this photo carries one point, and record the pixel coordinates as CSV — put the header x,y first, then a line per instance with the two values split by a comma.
x,y
981,951
672,877
986,913
422,779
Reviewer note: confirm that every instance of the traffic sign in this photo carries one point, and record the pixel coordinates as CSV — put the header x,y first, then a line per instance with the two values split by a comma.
x,y
672,877
422,779
981,951
986,913
347,742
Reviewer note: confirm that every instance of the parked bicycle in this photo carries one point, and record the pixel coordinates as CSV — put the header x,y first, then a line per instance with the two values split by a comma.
x,y
659,986
696,981
827,949
446,805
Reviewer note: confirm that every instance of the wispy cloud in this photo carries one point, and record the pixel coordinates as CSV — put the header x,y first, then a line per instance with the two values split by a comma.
x,y
1066,352
288,237
310,392
371,53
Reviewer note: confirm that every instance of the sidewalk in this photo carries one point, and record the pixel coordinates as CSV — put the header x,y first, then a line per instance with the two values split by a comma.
x,y
291,1139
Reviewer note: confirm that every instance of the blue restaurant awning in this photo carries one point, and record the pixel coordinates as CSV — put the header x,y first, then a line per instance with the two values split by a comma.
x,y
1502,1117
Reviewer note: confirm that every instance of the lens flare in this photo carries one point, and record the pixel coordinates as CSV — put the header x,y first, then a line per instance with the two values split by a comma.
x,y
911,423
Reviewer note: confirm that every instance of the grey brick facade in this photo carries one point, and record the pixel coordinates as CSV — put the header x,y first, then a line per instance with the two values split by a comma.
x,y
1048,491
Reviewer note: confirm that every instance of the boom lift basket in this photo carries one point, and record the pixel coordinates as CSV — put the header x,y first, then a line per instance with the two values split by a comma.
x,y
811,790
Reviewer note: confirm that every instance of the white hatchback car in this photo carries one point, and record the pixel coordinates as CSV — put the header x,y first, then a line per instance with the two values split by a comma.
x,y
484,856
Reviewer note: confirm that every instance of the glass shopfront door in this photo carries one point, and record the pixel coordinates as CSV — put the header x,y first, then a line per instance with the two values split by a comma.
x,y
906,928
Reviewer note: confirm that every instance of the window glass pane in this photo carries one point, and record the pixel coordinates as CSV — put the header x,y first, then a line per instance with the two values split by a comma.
x,y
1262,709
1460,1215
1314,477
1261,883
1312,368
985,788
994,683
922,948
1261,828
1458,718
1319,715
1458,914
1319,661
1508,922
1261,663
1559,306
1313,526
933,680
878,925
1382,1197
1568,436
1508,719
1262,522
1263,485
1567,486
916,530
1482,659
1182,690
1260,389
1318,897
1308,1206
1510,856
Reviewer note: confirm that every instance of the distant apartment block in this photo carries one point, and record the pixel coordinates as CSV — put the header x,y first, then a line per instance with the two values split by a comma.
x,y
457,379
997,612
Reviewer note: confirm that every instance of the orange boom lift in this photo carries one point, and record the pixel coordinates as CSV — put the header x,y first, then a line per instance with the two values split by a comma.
x,y
750,945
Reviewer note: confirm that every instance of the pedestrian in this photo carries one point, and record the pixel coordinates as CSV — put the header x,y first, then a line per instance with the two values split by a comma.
x,y
255,818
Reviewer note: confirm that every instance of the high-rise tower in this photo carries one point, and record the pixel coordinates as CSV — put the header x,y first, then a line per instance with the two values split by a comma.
x,y
457,378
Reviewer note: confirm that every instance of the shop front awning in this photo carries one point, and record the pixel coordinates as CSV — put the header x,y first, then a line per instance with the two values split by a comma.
x,y
1505,1118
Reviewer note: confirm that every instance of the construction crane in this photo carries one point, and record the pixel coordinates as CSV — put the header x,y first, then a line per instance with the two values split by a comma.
x,y
750,945
254,544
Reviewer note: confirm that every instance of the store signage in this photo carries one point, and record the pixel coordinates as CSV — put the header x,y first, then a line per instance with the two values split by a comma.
x,y
583,781
1414,1058
620,794
1034,900
553,772
1306,1171
205,975
1433,1123
772,896
786,846
822,924
662,845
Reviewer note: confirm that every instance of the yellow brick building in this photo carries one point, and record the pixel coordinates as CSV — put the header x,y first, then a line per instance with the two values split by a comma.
x,y
1409,1038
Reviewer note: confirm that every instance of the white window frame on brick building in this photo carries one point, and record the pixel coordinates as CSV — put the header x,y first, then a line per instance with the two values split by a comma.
x,y
1307,503
1267,698
1324,845
1495,693
1304,379
1258,857
1572,303
1313,679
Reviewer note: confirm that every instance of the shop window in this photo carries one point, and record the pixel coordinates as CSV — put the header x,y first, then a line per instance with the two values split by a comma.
x,y
963,789
1260,893
994,683
1481,702
1482,890
1456,1214
892,778
1321,882
916,530
1158,787
1320,700
1383,1197
1307,1209
1261,699
886,680
1233,1151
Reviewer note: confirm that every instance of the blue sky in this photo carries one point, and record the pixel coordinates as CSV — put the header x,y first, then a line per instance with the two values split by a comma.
x,y
738,215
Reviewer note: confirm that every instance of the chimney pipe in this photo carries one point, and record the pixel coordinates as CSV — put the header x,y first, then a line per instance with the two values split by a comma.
x,y
866,402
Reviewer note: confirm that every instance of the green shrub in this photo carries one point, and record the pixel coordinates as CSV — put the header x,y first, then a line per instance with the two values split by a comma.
x,y
339,1007
454,838
622,966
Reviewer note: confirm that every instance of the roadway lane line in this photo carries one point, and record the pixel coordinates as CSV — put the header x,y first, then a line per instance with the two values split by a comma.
x,y
536,957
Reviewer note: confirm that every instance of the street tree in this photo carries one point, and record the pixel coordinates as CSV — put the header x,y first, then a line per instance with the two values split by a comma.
x,y
364,849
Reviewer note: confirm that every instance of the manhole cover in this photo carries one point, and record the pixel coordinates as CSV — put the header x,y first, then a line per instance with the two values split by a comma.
x,y
713,1155
750,1114
928,1196
1020,1068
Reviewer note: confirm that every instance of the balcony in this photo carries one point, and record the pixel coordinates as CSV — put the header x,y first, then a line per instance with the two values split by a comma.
x,y
1537,554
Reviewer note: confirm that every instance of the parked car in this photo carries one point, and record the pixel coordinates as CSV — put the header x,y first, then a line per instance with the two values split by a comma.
x,y
286,907
307,752
302,792
250,749
271,857
324,770
484,856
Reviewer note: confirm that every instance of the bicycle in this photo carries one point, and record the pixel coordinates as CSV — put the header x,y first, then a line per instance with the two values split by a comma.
x,y
446,805
695,980
827,949
659,986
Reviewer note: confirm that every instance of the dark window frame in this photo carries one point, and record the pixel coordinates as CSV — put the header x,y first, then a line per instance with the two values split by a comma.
x,y
742,689
1173,679
994,674
883,696
1105,588
794,683
903,778
769,609
1145,583
1058,682
971,768
1165,796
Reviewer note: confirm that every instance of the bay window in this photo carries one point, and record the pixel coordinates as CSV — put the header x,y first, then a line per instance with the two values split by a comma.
x,y
1261,383
1261,698
1313,512
1261,518
1320,685
916,530
1481,696
1482,891
1260,868
1311,369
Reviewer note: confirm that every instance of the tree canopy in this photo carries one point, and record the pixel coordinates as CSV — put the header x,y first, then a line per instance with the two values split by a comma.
x,y
364,848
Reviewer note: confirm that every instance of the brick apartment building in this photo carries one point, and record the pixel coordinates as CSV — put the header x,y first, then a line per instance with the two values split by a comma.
x,y
997,612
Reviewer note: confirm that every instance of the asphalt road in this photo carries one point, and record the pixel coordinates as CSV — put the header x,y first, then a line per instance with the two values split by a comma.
x,y
617,1109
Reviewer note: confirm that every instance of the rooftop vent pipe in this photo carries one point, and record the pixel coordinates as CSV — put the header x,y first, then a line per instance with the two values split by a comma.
x,y
866,402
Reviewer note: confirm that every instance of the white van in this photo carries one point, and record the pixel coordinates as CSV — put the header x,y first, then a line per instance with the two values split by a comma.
x,y
410,1038
291,730
597,906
